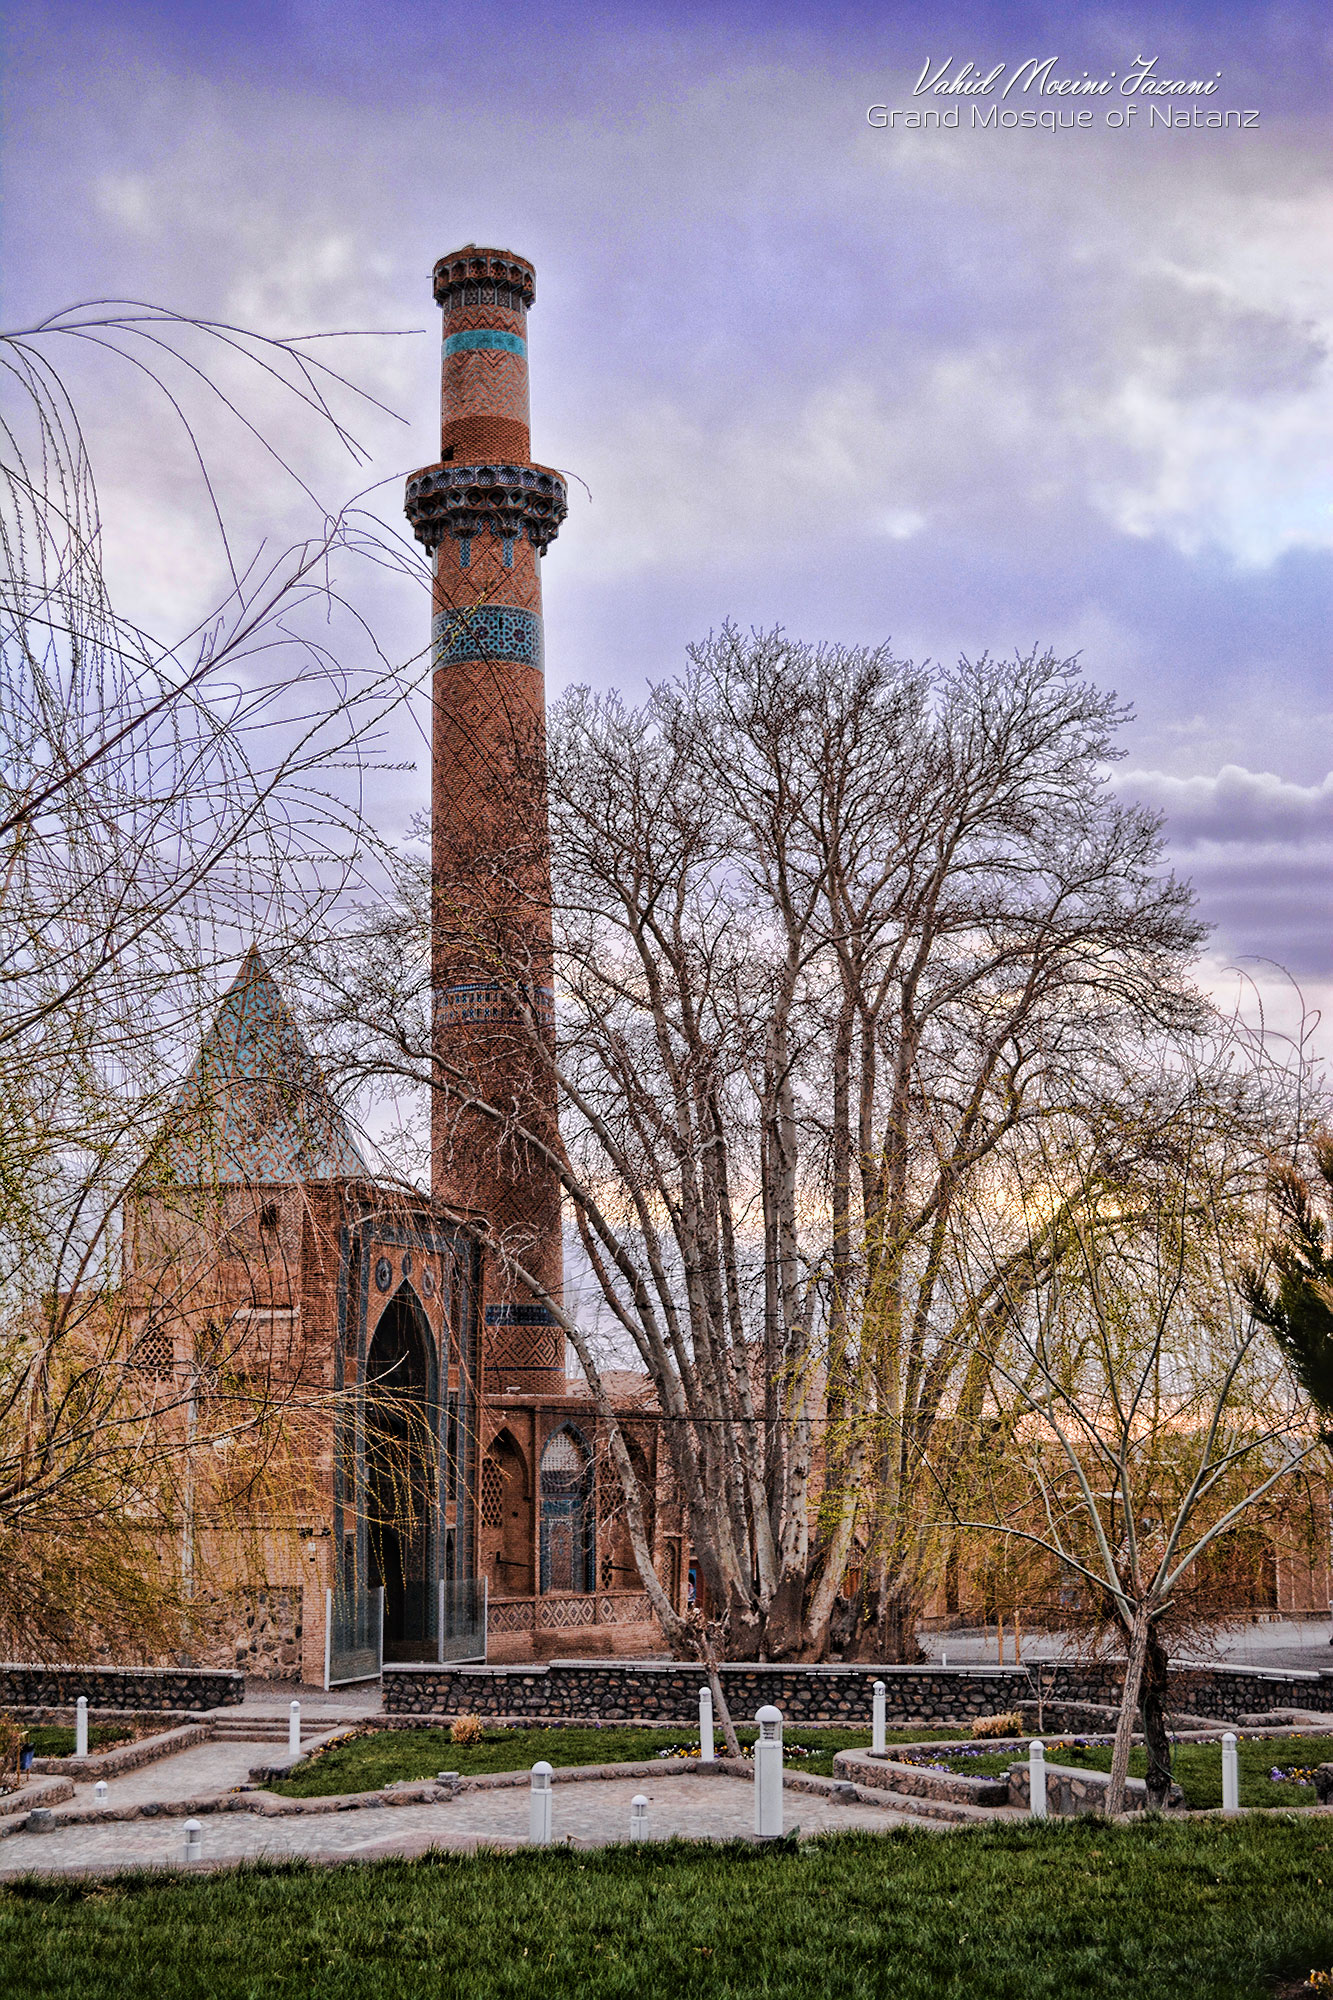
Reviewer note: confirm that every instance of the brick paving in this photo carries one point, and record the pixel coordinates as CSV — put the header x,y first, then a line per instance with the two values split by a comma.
x,y
587,1813
206,1768
274,1698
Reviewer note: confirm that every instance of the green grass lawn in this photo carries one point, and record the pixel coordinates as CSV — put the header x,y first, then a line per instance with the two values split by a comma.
x,y
1197,1767
54,1739
386,1755
1161,1911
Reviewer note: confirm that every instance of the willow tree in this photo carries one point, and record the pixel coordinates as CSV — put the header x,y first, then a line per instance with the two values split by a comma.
x,y
1140,1414
165,796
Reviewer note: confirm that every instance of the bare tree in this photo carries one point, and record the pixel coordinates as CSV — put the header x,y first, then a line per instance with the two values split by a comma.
x,y
834,934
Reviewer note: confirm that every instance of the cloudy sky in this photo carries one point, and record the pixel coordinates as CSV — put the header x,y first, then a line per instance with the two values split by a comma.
x,y
965,389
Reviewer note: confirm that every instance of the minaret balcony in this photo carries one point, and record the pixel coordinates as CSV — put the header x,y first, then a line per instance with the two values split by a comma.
x,y
461,500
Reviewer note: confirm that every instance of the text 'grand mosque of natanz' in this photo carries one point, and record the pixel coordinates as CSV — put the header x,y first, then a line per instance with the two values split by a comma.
x,y
447,1457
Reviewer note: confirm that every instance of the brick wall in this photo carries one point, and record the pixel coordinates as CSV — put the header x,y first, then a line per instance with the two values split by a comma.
x,y
609,1691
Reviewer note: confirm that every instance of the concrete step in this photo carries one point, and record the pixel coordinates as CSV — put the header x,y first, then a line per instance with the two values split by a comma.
x,y
253,1729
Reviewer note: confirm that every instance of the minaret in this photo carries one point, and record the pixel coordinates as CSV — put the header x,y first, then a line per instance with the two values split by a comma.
x,y
488,514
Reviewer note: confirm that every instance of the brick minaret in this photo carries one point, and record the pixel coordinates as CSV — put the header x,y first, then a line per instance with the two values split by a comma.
x,y
488,513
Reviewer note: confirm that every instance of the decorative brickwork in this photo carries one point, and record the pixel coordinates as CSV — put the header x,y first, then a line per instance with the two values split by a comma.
x,y
518,1350
492,1493
479,1004
484,439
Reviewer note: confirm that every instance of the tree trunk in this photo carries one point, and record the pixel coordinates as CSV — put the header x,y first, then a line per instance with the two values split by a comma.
x,y
1129,1706
888,1633
1152,1701
784,1636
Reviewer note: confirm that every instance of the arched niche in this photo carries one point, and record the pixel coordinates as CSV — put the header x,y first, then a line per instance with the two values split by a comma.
x,y
568,1552
506,1518
615,1551
401,1470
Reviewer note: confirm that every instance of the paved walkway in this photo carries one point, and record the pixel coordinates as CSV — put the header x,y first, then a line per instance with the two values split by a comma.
x,y
590,1813
1281,1645
270,1698
206,1769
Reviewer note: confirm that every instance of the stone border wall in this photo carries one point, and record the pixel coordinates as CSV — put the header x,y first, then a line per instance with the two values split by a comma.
x,y
147,1689
925,1697
1070,1791
122,1757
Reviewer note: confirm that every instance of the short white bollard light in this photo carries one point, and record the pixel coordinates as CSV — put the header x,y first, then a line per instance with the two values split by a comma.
x,y
81,1726
706,1725
768,1773
1037,1778
194,1844
638,1817
1230,1775
877,1719
100,1790
294,1730
539,1806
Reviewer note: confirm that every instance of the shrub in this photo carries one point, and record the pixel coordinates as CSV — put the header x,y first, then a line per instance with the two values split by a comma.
x,y
465,1729
1009,1724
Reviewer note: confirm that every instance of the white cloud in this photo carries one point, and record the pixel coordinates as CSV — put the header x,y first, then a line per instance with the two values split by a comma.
x,y
1235,806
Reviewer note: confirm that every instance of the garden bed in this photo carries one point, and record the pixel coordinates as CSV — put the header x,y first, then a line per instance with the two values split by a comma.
x,y
374,1758
1195,1767
56,1739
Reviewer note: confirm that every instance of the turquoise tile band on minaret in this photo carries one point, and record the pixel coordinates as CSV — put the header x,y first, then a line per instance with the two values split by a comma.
x,y
460,343
487,632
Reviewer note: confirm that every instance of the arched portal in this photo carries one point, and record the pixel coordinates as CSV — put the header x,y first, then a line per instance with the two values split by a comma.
x,y
567,1552
401,1473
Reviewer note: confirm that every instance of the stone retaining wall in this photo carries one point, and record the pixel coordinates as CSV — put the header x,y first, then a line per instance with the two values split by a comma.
x,y
23,1799
122,1757
1070,1791
924,1697
146,1689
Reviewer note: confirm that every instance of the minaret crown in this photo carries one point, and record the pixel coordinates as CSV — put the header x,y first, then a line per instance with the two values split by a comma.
x,y
466,269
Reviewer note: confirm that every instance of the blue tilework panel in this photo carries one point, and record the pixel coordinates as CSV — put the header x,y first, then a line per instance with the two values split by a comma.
x,y
487,632
482,337
255,1106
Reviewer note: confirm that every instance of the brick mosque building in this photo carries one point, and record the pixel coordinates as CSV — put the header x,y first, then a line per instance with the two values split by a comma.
x,y
448,1454
455,1452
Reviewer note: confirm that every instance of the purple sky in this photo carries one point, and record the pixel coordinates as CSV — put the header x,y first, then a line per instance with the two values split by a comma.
x,y
964,390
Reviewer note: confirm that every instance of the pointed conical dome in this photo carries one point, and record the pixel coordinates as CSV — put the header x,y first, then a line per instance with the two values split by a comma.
x,y
255,1106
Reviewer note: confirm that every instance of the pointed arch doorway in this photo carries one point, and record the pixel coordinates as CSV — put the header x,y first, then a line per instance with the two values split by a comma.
x,y
402,1474
567,1531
